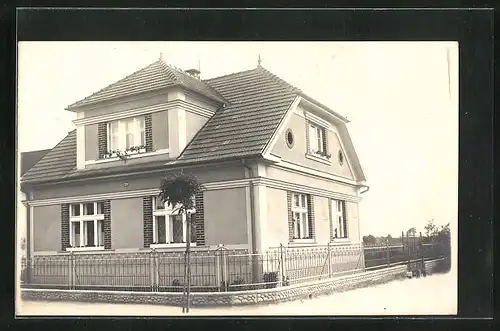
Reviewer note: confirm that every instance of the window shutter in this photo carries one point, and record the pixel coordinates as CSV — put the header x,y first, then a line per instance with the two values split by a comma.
x,y
290,216
107,224
344,211
148,127
147,216
200,219
330,218
325,141
310,216
313,141
308,143
64,226
102,138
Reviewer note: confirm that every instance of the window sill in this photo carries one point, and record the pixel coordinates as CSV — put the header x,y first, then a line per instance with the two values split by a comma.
x,y
302,242
317,158
131,156
176,245
340,241
84,249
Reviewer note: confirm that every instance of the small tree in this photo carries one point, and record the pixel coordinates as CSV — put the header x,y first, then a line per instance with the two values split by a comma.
x,y
178,191
412,232
369,240
430,229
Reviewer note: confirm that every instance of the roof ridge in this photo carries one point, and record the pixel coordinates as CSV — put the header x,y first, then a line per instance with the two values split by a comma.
x,y
109,85
164,65
286,84
179,71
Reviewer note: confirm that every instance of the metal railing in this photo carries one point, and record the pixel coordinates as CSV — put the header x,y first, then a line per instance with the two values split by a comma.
x,y
211,271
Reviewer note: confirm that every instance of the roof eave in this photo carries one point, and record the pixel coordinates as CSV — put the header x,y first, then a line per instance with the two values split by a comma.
x,y
324,108
176,164
74,106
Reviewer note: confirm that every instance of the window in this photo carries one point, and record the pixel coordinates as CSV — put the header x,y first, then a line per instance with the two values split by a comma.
x,y
169,227
339,221
126,133
289,138
86,224
317,138
341,157
300,216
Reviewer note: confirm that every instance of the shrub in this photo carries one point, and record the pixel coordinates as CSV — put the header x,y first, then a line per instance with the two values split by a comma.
x,y
271,278
234,284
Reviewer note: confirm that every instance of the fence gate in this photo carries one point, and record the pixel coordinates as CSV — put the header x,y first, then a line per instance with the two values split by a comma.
x,y
413,247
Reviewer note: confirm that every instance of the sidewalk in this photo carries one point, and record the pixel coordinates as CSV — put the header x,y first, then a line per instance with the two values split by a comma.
x,y
436,295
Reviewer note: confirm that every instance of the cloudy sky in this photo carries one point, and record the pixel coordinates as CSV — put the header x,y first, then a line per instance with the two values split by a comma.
x,y
401,99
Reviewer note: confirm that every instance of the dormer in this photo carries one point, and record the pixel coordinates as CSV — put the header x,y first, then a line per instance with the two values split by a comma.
x,y
151,115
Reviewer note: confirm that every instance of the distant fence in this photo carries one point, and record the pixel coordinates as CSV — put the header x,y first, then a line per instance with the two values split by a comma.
x,y
404,250
218,270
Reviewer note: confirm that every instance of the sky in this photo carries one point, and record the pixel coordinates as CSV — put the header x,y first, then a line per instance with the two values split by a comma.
x,y
401,99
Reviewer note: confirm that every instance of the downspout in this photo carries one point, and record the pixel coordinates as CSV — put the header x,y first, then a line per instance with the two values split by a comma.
x,y
367,189
29,197
248,174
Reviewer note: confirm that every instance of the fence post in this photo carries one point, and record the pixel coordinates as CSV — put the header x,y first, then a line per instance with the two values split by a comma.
x,y
152,270
422,251
282,265
387,254
409,250
329,261
72,271
225,269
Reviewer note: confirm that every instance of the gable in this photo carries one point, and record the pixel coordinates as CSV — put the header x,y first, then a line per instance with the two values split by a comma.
x,y
297,124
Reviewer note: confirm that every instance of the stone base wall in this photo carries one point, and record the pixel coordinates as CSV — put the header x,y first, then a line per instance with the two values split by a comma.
x,y
280,294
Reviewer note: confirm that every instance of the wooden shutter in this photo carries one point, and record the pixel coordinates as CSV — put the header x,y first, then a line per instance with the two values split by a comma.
x,y
148,127
344,211
313,140
65,226
147,216
102,138
290,215
325,141
200,219
330,218
311,217
107,224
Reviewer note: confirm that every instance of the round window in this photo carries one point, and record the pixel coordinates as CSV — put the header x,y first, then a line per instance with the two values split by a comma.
x,y
289,138
341,158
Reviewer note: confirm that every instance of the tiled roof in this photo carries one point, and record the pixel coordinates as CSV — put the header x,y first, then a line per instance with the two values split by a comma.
x,y
155,76
29,159
258,101
56,163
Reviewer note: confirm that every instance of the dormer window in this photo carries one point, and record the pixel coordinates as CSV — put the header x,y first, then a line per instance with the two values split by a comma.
x,y
126,133
317,139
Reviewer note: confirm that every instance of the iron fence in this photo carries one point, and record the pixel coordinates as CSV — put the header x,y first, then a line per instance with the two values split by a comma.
x,y
211,271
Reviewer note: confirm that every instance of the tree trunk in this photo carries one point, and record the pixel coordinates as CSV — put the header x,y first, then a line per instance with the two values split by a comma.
x,y
188,264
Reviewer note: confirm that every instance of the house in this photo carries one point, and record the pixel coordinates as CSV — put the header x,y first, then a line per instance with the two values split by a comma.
x,y
27,161
278,166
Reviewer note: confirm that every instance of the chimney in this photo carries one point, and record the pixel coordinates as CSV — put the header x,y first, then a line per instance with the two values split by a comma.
x,y
194,72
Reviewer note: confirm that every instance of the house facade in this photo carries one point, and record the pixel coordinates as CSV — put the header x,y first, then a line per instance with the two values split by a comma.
x,y
279,168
